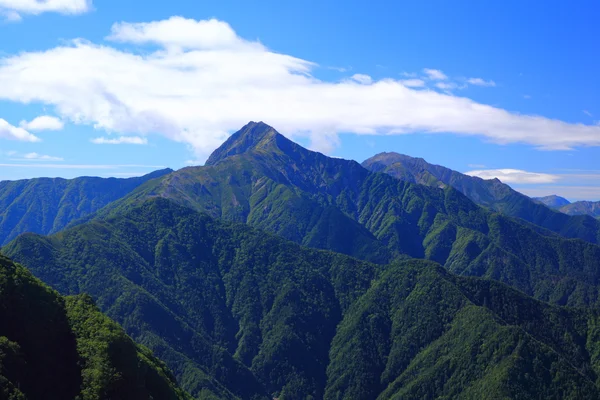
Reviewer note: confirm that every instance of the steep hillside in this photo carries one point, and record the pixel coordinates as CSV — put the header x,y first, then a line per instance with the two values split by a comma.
x,y
47,205
492,194
241,313
261,178
57,348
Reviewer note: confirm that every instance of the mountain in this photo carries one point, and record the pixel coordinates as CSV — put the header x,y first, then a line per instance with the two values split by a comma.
x,y
260,178
239,313
553,201
53,347
233,311
591,208
47,205
492,194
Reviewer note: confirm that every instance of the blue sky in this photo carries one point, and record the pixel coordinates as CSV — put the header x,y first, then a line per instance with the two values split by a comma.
x,y
507,89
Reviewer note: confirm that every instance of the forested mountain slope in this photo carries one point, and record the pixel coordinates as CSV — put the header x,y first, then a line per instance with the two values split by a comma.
x,y
489,193
47,205
261,178
63,348
239,313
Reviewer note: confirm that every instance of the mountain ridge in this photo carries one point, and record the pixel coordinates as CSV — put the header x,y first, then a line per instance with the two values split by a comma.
x,y
47,205
338,205
492,194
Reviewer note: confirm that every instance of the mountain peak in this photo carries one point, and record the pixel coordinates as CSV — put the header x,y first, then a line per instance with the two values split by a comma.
x,y
251,136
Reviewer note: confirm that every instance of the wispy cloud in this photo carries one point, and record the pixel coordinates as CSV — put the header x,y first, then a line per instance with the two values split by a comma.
x,y
80,166
572,193
478,166
8,131
120,140
43,123
481,82
589,114
198,80
514,176
362,78
14,9
446,85
435,74
194,162
36,157
413,83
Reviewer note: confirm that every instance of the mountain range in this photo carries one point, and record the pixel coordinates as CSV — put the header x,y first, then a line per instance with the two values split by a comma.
x,y
591,208
492,194
47,205
259,177
238,313
276,272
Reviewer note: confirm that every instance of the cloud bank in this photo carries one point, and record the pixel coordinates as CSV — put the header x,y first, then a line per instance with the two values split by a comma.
x,y
196,81
43,123
514,176
8,131
13,9
120,140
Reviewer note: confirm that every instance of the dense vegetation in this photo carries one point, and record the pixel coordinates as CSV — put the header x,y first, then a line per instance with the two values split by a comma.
x,y
261,178
57,348
492,194
47,205
239,313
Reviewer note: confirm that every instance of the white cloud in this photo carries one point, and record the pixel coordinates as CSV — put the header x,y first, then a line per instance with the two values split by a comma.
x,y
13,9
413,82
435,74
446,85
194,162
409,74
8,131
514,176
179,32
82,166
481,82
10,16
589,114
120,140
362,78
38,157
199,82
43,123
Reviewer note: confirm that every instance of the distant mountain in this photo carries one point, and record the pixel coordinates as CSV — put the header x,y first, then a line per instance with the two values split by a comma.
x,y
63,348
591,208
553,201
334,204
47,205
492,194
240,313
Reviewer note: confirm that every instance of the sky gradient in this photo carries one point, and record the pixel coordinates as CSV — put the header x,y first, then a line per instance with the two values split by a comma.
x,y
120,88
